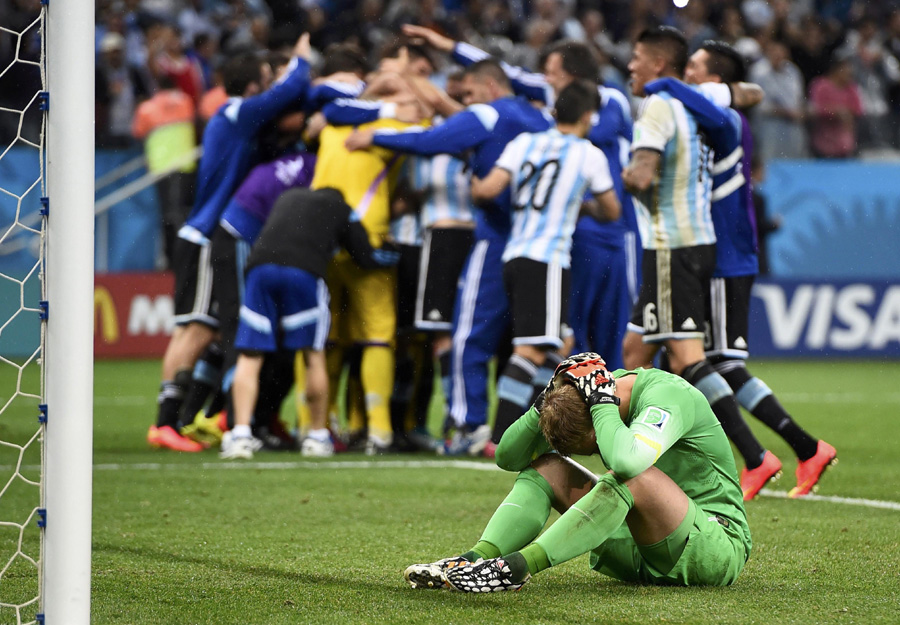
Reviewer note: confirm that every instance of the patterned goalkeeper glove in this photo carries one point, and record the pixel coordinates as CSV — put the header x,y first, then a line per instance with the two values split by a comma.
x,y
557,379
592,379
571,361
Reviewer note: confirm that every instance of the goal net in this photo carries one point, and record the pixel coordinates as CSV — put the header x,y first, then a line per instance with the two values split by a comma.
x,y
22,83
46,304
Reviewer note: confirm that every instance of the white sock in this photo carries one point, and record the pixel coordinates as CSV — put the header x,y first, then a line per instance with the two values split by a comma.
x,y
322,435
241,431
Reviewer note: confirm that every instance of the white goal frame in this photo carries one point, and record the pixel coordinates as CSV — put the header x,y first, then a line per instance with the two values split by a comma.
x,y
68,332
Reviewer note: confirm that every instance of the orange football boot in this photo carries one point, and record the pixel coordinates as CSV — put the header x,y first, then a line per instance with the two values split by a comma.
x,y
753,480
810,471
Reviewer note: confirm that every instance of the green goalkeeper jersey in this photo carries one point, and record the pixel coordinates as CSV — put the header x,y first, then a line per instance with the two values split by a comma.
x,y
670,425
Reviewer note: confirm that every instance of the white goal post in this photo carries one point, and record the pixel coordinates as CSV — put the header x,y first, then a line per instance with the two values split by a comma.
x,y
69,327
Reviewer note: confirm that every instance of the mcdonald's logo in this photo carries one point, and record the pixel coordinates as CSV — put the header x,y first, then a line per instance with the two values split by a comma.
x,y
106,320
134,314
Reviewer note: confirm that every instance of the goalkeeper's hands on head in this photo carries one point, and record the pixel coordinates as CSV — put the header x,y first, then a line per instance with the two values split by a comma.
x,y
587,372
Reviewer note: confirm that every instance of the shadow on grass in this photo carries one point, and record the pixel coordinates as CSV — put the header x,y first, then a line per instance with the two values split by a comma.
x,y
350,580
299,577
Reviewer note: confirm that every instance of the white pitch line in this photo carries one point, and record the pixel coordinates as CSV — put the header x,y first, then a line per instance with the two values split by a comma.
x,y
793,397
850,501
409,464
299,464
302,464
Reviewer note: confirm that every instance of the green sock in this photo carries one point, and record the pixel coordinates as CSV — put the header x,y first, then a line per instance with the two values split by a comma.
x,y
589,522
482,550
536,558
532,559
519,519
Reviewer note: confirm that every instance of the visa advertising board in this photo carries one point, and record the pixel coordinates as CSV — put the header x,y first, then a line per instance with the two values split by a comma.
x,y
134,318
825,318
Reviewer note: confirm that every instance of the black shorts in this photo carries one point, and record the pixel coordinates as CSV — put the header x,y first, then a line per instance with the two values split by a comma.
x,y
407,285
729,311
229,262
674,292
176,197
194,301
538,301
444,253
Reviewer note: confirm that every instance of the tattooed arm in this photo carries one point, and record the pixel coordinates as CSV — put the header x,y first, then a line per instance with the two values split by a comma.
x,y
642,171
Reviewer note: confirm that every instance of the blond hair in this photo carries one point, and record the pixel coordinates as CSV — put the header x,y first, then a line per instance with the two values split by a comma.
x,y
565,420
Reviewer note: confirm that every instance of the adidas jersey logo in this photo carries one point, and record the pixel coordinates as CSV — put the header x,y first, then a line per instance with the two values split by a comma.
x,y
740,343
434,315
689,324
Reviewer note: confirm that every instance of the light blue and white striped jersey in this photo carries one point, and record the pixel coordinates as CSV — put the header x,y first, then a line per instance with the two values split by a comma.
x,y
481,131
551,172
406,229
675,211
442,181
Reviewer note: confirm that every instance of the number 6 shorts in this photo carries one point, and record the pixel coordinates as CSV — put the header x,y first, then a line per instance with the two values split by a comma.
x,y
672,303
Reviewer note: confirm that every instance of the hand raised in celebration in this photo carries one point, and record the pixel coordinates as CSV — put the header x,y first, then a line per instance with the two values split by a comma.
x,y
431,37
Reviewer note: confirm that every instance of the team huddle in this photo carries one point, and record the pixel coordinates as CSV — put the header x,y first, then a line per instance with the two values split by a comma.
x,y
509,215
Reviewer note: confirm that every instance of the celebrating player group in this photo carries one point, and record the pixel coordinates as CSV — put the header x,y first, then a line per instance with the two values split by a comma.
x,y
371,223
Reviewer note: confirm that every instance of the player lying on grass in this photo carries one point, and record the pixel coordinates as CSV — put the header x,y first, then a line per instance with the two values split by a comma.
x,y
669,511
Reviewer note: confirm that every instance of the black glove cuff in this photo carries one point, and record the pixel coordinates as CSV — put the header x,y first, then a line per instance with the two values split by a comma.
x,y
539,401
599,399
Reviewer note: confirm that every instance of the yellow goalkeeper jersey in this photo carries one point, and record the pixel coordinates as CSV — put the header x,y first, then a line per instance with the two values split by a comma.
x,y
365,177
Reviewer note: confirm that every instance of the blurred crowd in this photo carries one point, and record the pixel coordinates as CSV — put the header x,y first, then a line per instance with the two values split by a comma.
x,y
830,68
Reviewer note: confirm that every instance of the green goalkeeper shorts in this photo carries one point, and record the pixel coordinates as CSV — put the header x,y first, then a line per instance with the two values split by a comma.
x,y
702,551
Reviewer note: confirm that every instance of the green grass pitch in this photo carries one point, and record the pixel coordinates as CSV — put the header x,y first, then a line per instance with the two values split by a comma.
x,y
187,538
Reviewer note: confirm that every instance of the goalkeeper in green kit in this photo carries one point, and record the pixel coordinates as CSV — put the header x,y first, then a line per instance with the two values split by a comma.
x,y
669,511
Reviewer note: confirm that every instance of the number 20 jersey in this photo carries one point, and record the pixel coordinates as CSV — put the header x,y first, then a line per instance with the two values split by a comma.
x,y
551,172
